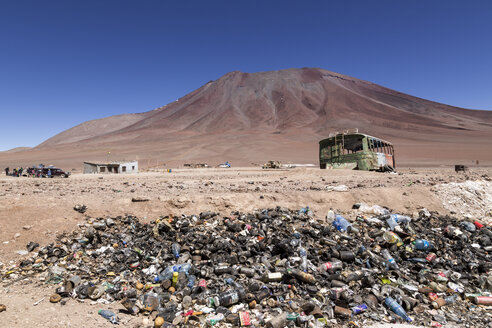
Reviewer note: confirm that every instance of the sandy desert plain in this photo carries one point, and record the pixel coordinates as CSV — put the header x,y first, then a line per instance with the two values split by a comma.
x,y
38,209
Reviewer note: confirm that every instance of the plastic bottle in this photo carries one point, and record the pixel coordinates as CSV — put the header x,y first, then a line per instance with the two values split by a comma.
x,y
422,245
390,260
331,266
176,248
303,254
107,314
395,307
341,224
168,272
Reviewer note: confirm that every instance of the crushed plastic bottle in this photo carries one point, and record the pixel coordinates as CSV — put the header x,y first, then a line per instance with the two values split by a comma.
x,y
191,281
176,248
390,261
109,315
392,304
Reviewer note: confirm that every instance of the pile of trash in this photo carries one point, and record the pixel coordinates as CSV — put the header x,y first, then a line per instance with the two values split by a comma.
x,y
274,268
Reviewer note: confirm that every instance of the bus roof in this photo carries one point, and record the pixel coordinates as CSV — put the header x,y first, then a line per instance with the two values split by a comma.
x,y
351,135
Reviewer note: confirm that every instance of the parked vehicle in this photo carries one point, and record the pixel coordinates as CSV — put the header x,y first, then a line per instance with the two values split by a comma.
x,y
46,172
55,172
356,151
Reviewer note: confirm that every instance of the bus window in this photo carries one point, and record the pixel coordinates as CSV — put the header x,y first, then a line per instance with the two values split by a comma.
x,y
326,152
352,145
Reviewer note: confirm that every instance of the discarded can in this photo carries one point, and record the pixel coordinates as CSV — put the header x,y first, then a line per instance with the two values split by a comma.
x,y
302,276
244,318
271,277
96,292
347,256
483,300
431,257
344,312
175,279
130,305
331,266
359,309
437,303
247,271
433,296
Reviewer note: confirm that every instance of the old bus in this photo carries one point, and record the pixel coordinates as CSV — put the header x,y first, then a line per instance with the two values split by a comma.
x,y
356,151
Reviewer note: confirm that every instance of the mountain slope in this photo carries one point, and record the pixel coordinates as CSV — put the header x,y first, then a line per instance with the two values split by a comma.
x,y
247,117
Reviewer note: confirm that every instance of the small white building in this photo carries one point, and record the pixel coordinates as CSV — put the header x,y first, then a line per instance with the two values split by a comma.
x,y
113,167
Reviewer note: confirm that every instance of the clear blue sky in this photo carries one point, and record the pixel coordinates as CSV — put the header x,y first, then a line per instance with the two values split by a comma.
x,y
66,62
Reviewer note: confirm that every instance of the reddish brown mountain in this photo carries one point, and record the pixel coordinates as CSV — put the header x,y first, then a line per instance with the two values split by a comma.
x,y
253,117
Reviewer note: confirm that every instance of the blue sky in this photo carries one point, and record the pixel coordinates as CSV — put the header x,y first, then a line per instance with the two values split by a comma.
x,y
66,62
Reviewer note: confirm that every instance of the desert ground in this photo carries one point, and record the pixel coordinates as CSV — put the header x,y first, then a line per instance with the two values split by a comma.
x,y
38,209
